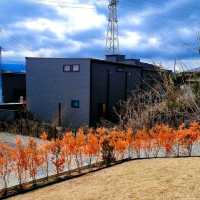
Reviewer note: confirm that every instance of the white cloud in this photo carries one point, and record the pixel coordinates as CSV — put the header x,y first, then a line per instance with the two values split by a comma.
x,y
42,24
153,42
130,40
69,22
82,3
190,32
5,34
72,23
75,17
132,19
100,3
164,8
133,40
98,42
81,20
75,46
139,17
180,65
39,34
185,31
187,64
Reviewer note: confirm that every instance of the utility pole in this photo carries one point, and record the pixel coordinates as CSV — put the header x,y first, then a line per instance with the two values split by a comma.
x,y
112,39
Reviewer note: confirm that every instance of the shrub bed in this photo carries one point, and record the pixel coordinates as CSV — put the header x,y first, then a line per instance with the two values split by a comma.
x,y
92,148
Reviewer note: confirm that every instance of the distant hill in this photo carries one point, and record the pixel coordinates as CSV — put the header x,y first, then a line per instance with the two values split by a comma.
x,y
194,70
13,67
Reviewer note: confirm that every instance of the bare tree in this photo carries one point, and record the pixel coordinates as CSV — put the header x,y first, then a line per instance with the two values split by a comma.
x,y
164,102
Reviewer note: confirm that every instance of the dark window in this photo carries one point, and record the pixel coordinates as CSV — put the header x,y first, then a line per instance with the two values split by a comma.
x,y
75,104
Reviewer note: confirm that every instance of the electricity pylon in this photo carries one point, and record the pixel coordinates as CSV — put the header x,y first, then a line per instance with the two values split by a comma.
x,y
112,39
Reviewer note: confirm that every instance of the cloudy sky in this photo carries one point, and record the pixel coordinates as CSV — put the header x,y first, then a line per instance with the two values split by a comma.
x,y
159,31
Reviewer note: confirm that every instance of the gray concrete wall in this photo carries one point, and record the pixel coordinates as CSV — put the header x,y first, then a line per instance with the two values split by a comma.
x,y
47,86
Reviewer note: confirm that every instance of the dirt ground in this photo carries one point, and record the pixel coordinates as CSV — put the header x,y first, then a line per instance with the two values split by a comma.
x,y
154,179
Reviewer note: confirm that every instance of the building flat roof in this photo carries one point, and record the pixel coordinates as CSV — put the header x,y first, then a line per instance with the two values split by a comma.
x,y
144,66
140,65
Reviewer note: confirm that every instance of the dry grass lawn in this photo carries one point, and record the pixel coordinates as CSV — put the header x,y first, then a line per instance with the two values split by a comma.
x,y
163,179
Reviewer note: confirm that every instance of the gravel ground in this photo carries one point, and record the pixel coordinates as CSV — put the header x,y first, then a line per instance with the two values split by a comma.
x,y
10,138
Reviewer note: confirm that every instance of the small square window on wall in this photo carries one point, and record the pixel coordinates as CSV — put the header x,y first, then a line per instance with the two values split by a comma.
x,y
66,68
75,104
75,68
71,68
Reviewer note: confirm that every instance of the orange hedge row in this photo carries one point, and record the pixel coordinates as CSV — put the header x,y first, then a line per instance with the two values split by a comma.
x,y
25,160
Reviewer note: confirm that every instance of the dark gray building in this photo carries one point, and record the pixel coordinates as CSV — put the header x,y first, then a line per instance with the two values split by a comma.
x,y
13,86
79,91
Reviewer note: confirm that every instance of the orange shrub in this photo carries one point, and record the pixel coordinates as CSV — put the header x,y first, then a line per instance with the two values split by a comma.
x,y
57,157
20,158
94,145
68,148
187,137
6,163
79,148
35,159
45,150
